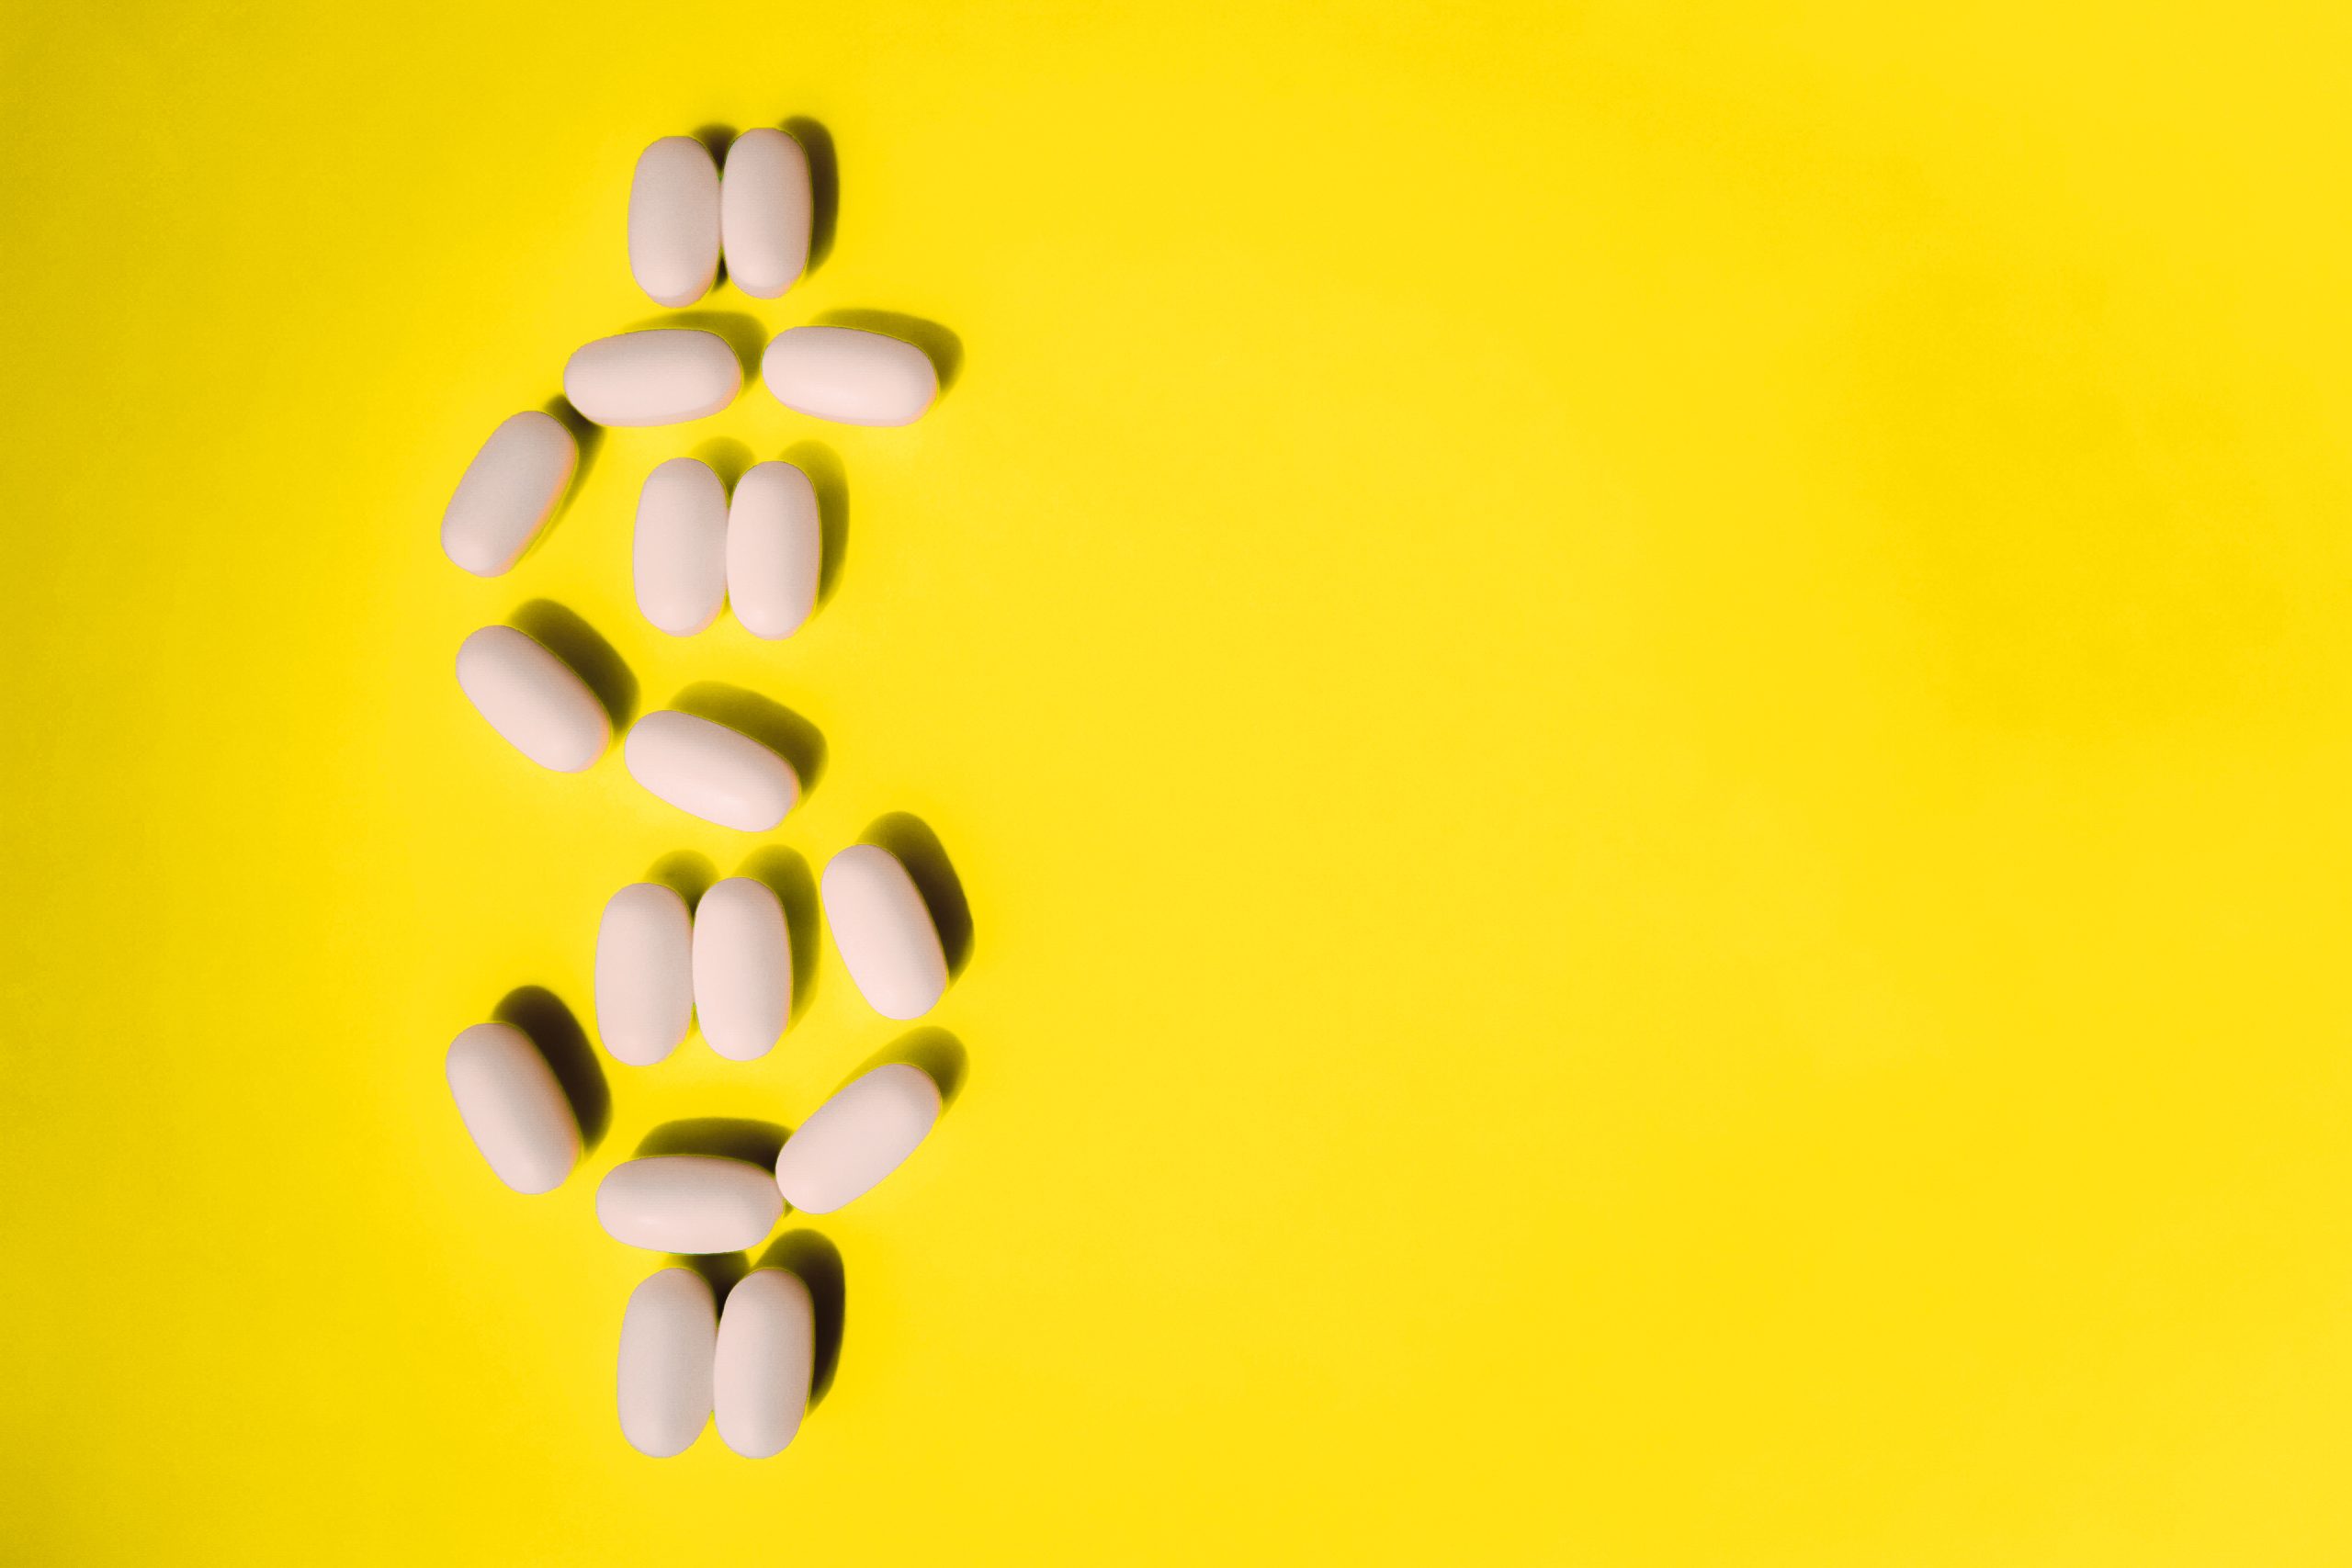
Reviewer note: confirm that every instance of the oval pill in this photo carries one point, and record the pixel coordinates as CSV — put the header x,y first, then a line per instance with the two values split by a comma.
x,y
687,1204
673,220
709,770
850,376
666,376
644,973
669,1341
775,550
513,1107
508,492
884,932
678,555
767,1351
856,1138
533,699
764,212
742,969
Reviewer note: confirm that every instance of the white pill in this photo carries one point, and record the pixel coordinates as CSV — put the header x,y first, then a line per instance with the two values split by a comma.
x,y
687,1204
680,553
856,1138
513,1107
534,699
508,492
849,377
709,770
884,932
775,550
764,210
767,1349
663,376
742,969
673,220
644,973
669,1342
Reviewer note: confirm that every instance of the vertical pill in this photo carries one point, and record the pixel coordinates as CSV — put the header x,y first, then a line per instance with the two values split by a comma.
x,y
761,1369
669,1343
853,1140
765,212
775,550
673,220
644,973
508,492
850,376
709,770
678,555
742,969
884,932
665,375
513,1107
535,701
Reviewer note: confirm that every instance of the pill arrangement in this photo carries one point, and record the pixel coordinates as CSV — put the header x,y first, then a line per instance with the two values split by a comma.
x,y
723,963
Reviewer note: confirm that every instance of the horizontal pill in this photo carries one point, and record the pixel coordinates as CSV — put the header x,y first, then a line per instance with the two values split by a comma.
x,y
742,969
775,550
884,932
673,220
513,1107
856,1138
644,973
666,376
850,376
669,1342
508,492
678,555
766,1350
687,1204
533,699
709,770
765,212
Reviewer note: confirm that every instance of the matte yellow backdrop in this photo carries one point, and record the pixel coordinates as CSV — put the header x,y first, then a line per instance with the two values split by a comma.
x,y
1647,709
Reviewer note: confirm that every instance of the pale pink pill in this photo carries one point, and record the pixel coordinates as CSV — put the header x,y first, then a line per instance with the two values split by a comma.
x,y
850,376
856,1138
687,1204
680,550
508,492
764,212
536,701
767,1351
514,1108
742,969
884,932
709,770
775,550
673,220
669,1342
644,973
666,376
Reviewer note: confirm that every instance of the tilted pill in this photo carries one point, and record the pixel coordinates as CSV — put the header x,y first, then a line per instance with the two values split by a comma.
x,y
775,550
742,969
532,698
673,220
666,376
678,555
709,770
687,1204
514,1107
508,492
849,377
767,1345
765,212
856,1138
644,973
669,1342
884,932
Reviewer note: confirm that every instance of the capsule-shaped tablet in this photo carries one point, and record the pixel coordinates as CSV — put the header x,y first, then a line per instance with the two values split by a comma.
x,y
508,492
764,212
850,376
687,1204
673,222
767,1349
742,969
679,552
775,550
666,376
709,770
532,698
884,932
856,1138
669,1343
514,1107
644,973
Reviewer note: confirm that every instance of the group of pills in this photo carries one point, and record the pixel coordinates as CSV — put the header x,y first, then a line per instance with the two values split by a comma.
x,y
660,966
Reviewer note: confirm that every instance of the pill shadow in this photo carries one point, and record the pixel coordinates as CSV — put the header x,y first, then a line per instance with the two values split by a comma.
x,y
722,1271
831,482
684,872
722,1137
939,1055
716,137
765,720
943,348
589,438
824,186
742,335
919,850
580,646
541,1014
818,1262
784,872
726,458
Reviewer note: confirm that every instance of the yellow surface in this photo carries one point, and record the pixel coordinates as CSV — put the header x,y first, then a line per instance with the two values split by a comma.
x,y
1648,710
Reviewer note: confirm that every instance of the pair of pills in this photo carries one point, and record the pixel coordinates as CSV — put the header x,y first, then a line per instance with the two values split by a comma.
x,y
673,375
683,213
696,550
684,1361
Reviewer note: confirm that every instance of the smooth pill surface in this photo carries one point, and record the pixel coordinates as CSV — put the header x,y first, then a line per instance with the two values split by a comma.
x,y
742,968
508,492
514,1107
767,1345
669,1341
764,212
856,1138
850,376
644,973
884,932
666,376
687,1204
533,699
680,551
775,550
709,770
673,222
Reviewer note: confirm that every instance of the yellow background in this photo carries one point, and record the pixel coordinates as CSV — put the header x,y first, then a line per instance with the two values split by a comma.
x,y
1648,711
